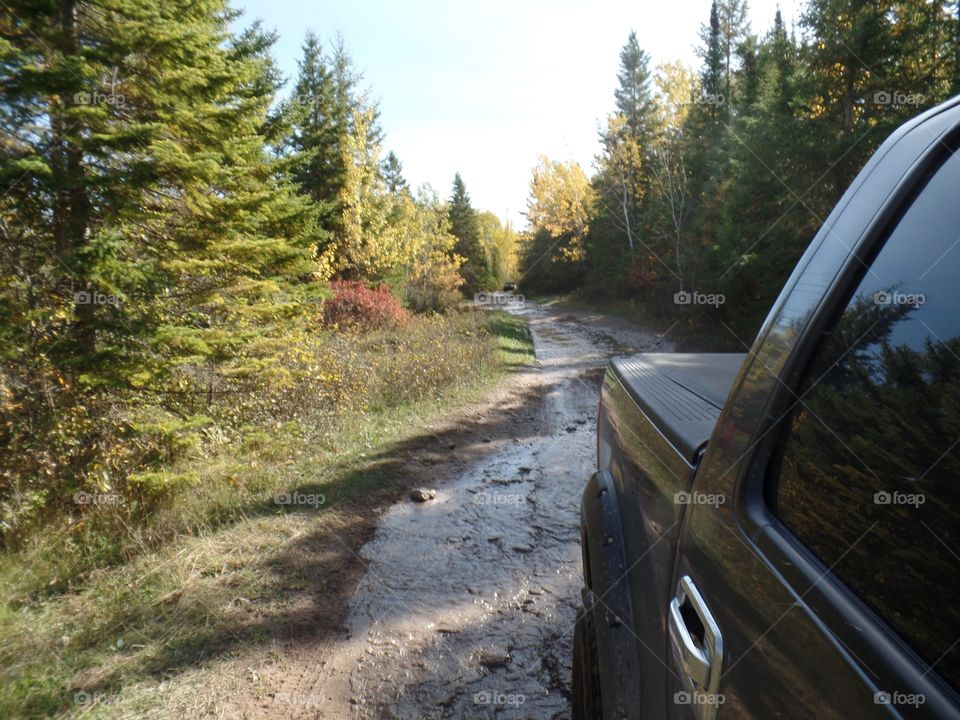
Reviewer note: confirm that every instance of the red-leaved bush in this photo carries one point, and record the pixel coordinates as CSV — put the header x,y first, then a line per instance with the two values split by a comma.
x,y
358,307
640,278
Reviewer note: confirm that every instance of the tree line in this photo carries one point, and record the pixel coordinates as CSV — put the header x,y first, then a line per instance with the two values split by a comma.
x,y
709,184
169,214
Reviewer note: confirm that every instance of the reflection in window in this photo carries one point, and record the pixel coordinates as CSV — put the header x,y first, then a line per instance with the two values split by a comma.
x,y
870,470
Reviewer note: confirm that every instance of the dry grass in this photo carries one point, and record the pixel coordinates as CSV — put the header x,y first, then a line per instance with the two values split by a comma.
x,y
221,567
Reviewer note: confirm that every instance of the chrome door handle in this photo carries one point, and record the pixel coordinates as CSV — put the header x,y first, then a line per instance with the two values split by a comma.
x,y
696,644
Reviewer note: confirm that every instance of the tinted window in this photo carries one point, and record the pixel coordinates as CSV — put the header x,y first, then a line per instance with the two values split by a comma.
x,y
870,469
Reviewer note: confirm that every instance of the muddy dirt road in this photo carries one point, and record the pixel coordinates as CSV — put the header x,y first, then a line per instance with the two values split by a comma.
x,y
468,602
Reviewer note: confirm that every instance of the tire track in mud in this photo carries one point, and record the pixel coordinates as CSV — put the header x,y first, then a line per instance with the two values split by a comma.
x,y
468,603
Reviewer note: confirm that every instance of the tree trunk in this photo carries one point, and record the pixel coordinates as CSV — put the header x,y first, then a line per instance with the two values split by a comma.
x,y
72,211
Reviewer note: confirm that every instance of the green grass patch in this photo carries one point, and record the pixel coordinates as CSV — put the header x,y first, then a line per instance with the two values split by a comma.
x,y
513,339
89,617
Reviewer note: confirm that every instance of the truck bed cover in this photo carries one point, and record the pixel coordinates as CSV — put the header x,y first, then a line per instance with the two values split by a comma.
x,y
681,393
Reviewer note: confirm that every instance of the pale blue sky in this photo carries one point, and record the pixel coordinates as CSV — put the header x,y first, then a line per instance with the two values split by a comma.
x,y
484,87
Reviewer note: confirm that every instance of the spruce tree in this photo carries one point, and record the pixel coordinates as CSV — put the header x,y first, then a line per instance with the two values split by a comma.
x,y
142,218
762,227
464,227
618,239
734,30
392,171
712,73
318,122
633,96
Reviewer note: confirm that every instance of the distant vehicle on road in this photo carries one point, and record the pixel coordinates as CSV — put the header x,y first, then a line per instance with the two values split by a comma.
x,y
509,287
776,534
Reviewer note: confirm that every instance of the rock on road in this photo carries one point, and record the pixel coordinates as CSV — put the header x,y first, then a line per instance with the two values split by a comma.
x,y
468,603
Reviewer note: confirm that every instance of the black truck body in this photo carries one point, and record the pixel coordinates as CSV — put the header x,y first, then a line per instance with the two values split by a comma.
x,y
776,534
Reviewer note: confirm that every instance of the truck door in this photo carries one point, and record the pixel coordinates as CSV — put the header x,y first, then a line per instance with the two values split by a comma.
x,y
818,570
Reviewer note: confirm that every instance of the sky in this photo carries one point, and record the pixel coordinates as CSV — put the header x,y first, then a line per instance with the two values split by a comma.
x,y
483,88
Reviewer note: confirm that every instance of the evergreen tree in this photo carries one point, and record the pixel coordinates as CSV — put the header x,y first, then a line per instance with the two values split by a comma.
x,y
141,215
783,52
464,227
392,171
319,118
633,95
705,146
617,237
862,60
348,96
762,224
734,30
713,73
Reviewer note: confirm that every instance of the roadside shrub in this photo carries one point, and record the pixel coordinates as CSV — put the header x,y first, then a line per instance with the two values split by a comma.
x,y
358,307
434,285
425,297
640,278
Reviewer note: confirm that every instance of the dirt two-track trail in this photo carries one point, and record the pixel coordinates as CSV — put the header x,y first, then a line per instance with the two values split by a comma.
x,y
467,605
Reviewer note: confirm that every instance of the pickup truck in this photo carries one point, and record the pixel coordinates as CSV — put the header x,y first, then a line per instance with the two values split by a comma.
x,y
776,534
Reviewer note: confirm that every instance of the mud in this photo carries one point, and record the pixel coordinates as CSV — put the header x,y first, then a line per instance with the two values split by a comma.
x,y
467,606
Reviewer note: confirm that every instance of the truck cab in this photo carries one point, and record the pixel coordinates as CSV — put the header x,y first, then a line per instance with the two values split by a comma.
x,y
776,533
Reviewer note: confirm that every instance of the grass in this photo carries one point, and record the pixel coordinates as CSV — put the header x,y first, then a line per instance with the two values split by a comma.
x,y
228,568
513,340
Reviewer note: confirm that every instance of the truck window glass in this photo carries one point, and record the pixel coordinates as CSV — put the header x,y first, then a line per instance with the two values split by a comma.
x,y
869,478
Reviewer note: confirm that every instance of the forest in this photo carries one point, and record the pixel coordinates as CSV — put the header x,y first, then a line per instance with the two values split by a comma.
x,y
711,182
219,291
182,240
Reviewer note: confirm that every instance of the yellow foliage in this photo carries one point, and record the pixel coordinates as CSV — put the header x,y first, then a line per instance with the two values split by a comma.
x,y
561,202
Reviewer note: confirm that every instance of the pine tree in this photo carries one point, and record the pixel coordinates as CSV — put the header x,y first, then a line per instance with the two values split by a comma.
x,y
392,170
464,227
622,183
761,223
318,119
633,95
141,215
317,122
713,73
734,30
